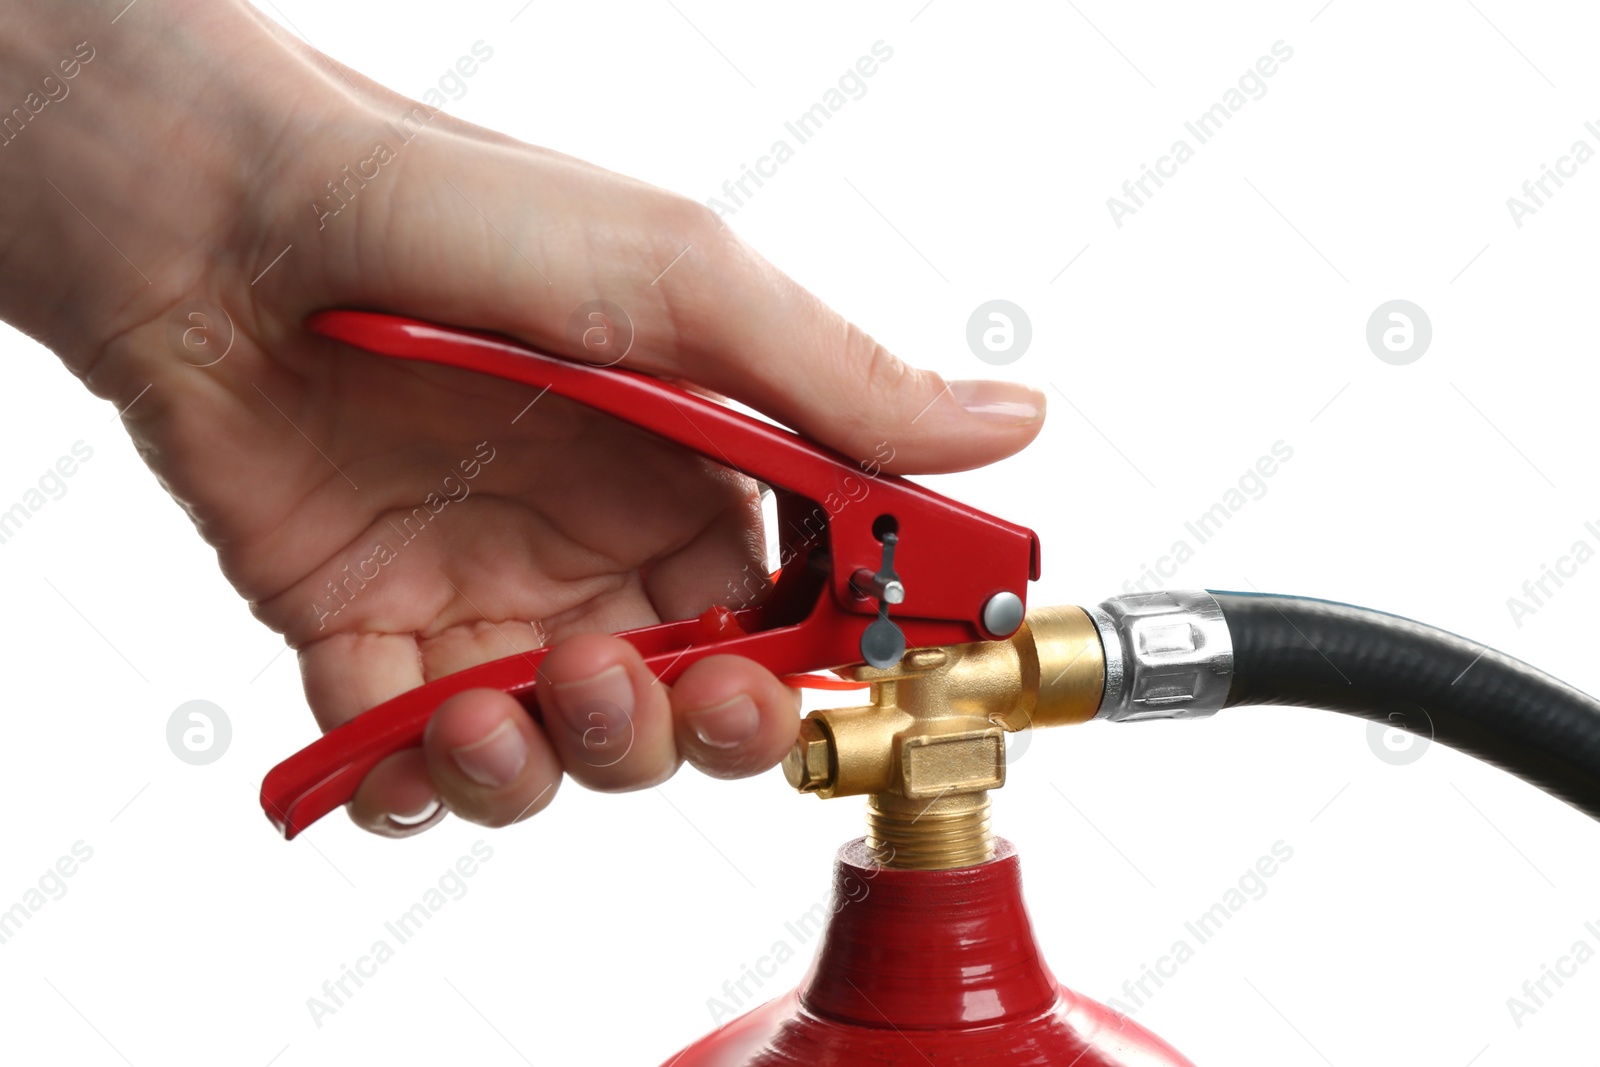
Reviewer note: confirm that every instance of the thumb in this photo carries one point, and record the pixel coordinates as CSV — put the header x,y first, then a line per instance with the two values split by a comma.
x,y
476,250
748,330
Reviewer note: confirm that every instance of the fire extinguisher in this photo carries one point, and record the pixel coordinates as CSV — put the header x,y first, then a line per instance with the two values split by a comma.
x,y
929,956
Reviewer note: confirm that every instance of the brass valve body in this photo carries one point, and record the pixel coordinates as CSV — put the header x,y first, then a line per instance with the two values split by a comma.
x,y
931,744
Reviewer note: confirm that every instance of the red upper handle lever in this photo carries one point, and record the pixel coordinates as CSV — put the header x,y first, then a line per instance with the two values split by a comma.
x,y
957,573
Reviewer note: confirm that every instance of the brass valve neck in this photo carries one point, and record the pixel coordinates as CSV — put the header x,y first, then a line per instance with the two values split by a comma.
x,y
919,835
931,745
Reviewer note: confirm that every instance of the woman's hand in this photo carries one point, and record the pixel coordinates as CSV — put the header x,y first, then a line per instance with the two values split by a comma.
x,y
396,521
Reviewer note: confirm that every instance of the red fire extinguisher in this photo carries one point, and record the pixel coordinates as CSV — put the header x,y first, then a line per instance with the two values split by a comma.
x,y
930,967
929,956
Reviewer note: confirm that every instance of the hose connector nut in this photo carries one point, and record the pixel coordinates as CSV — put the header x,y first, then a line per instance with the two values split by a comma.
x,y
1168,656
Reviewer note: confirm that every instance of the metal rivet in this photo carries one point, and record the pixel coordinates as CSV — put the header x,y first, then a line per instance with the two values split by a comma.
x,y
1003,614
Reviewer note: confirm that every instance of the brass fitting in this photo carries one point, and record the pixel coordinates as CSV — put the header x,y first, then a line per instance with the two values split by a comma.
x,y
931,745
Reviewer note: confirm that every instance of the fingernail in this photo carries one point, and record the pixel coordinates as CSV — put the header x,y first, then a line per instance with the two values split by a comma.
x,y
725,725
429,809
1005,402
496,760
598,709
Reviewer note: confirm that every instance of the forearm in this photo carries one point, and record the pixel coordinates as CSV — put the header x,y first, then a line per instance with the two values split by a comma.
x,y
129,139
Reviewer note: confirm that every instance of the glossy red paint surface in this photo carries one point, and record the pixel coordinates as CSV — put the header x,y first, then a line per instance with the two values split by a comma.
x,y
951,558
930,967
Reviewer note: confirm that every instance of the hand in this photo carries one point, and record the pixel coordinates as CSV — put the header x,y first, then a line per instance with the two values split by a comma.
x,y
399,522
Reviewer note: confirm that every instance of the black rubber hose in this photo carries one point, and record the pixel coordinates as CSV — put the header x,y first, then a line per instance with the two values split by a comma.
x,y
1317,653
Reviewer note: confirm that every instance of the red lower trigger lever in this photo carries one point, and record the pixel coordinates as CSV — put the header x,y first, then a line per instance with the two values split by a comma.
x,y
853,534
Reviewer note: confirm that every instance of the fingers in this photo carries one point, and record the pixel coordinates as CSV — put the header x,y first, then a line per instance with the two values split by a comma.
x,y
488,759
348,673
397,797
617,728
734,718
606,715
607,722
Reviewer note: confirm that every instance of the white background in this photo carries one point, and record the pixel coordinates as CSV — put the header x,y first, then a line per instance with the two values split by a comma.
x,y
1227,314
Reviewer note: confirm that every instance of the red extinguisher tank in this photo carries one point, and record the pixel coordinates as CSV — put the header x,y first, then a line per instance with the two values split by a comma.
x,y
929,967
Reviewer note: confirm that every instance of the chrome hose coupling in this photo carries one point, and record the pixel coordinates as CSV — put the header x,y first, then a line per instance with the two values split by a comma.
x,y
1168,655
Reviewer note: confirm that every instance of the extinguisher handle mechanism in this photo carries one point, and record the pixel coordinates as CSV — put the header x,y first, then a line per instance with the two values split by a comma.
x,y
938,572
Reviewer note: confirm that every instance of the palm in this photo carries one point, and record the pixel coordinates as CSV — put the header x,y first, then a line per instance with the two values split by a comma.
x,y
388,513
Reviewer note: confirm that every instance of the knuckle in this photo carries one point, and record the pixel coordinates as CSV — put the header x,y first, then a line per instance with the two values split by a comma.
x,y
883,373
688,222
700,258
891,386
